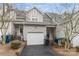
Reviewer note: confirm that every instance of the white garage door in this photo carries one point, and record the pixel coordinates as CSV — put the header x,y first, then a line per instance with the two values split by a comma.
x,y
35,39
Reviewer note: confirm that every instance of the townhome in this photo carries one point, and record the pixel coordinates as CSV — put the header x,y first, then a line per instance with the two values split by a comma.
x,y
35,25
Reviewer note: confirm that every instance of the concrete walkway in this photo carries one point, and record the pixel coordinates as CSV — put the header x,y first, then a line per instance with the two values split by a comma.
x,y
38,50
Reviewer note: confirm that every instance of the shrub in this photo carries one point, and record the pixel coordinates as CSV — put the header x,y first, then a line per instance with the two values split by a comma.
x,y
63,42
15,44
77,48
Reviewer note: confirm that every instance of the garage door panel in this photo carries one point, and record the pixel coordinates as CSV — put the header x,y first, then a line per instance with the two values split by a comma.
x,y
35,38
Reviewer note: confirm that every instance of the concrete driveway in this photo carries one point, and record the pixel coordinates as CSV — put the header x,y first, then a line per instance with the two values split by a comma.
x,y
38,50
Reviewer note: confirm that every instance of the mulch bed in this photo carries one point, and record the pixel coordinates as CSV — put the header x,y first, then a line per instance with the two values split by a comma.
x,y
63,52
7,51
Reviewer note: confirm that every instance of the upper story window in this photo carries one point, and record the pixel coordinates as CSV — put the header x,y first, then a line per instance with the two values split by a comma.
x,y
34,19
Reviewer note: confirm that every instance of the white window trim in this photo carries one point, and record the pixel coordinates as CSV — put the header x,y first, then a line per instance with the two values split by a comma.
x,y
34,19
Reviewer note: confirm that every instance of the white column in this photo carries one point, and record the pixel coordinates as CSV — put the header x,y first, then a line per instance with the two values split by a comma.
x,y
50,36
24,33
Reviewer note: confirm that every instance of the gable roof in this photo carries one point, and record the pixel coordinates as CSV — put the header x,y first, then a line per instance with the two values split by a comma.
x,y
52,18
20,14
35,9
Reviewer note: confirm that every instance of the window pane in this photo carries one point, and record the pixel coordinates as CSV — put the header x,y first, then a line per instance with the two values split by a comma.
x,y
34,19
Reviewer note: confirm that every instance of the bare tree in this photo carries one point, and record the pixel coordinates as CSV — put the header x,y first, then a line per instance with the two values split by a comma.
x,y
70,24
5,20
